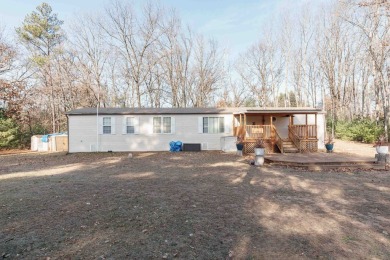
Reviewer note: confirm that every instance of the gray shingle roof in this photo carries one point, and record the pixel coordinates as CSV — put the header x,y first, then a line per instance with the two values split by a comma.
x,y
124,111
192,110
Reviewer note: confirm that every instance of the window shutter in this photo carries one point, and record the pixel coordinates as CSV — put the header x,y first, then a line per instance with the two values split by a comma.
x,y
112,125
200,125
136,125
100,125
228,124
124,125
173,125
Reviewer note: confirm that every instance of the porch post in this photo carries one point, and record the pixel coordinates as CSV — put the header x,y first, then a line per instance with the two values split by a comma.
x,y
307,129
245,125
315,115
234,126
272,135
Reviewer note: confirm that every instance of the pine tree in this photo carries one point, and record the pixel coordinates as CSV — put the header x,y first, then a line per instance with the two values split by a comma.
x,y
41,34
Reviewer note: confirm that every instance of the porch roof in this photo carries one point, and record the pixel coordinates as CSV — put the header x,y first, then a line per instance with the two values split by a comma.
x,y
197,110
280,110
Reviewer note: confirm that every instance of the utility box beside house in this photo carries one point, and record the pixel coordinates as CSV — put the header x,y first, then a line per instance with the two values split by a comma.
x,y
228,144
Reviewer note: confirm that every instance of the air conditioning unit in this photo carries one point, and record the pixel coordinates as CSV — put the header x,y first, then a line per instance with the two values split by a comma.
x,y
191,147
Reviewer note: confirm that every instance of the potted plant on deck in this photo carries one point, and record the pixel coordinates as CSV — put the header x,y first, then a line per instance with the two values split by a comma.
x,y
329,144
260,147
240,143
381,146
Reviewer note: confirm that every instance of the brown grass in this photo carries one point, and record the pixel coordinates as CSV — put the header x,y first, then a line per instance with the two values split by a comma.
x,y
205,205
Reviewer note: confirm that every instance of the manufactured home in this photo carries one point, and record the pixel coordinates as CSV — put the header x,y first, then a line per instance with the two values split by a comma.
x,y
152,129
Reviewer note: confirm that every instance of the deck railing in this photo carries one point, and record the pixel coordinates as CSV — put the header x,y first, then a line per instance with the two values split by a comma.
x,y
304,137
305,131
259,131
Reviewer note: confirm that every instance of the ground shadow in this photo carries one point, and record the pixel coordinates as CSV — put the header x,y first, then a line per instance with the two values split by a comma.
x,y
189,205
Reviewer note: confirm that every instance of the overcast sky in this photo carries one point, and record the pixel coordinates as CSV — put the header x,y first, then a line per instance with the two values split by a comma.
x,y
235,24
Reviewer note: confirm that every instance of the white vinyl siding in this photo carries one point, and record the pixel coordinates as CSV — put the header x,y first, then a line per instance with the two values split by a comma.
x,y
213,125
83,135
162,125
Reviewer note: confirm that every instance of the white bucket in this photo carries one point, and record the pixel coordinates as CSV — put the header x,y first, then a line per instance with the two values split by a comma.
x,y
382,149
259,151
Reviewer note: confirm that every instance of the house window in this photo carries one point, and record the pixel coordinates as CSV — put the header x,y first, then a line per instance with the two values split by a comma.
x,y
162,125
106,125
213,125
130,129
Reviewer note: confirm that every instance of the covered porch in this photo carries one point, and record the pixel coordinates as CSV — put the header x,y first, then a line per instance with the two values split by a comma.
x,y
282,131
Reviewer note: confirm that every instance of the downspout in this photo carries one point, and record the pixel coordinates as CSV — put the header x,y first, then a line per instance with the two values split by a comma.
x,y
67,123
97,128
97,121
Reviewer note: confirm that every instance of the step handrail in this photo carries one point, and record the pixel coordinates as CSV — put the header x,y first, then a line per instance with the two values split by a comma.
x,y
294,138
279,140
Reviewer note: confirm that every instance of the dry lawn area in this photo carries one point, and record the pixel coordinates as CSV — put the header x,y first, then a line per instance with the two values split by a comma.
x,y
206,205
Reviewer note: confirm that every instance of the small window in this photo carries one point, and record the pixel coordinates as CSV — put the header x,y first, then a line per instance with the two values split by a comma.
x,y
130,125
157,125
162,125
166,125
106,125
213,125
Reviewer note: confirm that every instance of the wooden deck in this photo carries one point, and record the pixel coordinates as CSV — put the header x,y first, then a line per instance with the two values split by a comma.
x,y
325,161
319,158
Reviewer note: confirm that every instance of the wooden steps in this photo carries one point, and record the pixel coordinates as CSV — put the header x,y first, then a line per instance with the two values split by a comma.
x,y
289,147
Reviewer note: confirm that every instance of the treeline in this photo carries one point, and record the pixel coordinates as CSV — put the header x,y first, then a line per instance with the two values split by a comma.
x,y
335,56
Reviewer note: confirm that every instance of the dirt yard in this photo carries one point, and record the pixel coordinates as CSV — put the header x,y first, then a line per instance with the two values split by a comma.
x,y
206,205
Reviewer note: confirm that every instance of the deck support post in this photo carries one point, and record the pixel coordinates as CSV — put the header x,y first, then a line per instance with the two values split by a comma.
x,y
244,125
